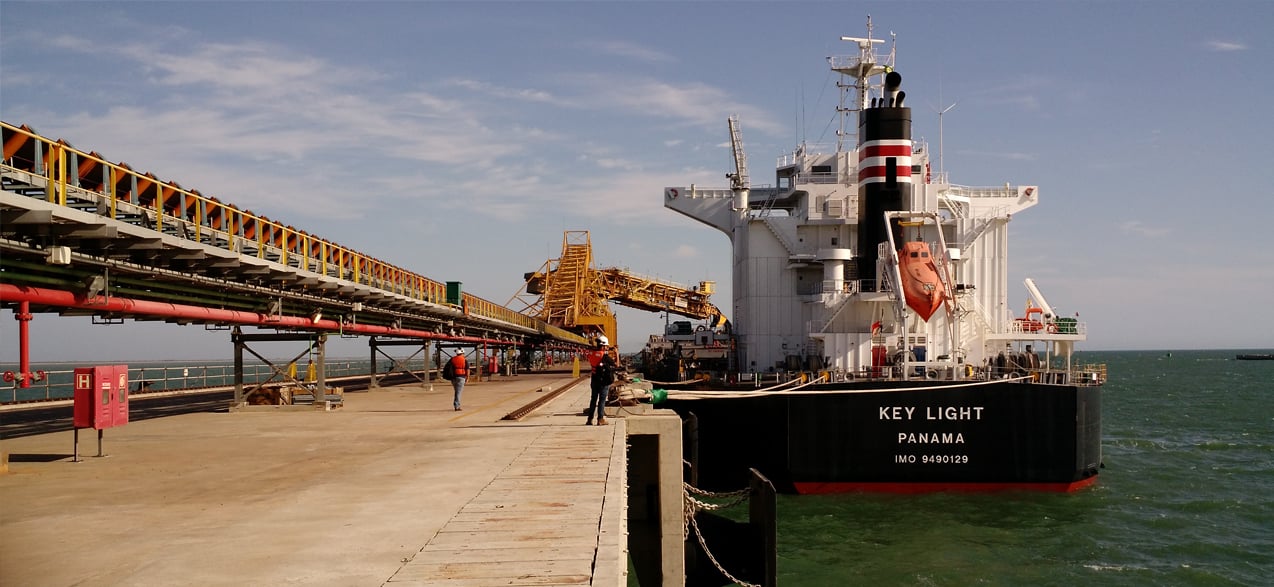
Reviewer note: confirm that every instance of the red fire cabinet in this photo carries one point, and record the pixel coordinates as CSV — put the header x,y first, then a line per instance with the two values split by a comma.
x,y
101,400
101,396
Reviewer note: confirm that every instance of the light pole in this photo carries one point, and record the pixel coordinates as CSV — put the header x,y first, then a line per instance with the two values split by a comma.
x,y
942,170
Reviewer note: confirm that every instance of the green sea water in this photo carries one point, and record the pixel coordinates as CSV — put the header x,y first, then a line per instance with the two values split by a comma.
x,y
1186,498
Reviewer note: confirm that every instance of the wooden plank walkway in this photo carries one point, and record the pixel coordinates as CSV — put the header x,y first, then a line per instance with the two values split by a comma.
x,y
394,489
541,521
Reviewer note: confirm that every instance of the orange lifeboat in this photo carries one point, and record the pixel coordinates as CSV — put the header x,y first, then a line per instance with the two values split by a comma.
x,y
1029,323
920,283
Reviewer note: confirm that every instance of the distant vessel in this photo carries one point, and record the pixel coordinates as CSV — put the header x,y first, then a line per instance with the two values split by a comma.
x,y
1257,357
871,299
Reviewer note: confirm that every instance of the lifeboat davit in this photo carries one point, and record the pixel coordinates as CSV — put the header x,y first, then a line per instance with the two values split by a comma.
x,y
920,283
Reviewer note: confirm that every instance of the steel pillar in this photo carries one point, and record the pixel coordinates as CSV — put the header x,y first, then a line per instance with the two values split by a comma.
x,y
240,341
404,365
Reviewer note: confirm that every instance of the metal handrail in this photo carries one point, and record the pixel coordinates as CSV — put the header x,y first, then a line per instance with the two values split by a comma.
x,y
59,384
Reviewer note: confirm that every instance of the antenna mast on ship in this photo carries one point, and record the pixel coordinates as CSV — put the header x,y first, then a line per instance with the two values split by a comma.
x,y
854,96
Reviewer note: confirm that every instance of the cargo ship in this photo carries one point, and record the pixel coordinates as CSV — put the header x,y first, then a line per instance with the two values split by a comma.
x,y
873,345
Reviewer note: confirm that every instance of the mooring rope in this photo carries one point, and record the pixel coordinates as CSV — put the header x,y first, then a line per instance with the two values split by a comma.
x,y
669,382
732,394
772,387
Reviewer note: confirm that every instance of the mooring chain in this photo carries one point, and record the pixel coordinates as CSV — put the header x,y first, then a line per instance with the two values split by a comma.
x,y
692,506
695,490
703,505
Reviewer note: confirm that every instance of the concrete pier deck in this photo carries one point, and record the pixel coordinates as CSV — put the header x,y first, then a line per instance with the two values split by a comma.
x,y
395,488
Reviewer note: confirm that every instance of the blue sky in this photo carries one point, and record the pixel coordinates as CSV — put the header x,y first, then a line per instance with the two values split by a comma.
x,y
459,140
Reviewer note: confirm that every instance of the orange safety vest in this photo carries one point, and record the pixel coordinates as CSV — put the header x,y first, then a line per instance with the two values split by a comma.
x,y
460,365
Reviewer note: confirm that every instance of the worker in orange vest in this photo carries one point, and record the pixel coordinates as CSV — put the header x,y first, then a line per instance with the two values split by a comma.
x,y
604,369
460,369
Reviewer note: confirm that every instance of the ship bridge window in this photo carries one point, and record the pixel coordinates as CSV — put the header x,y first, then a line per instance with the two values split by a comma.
x,y
821,168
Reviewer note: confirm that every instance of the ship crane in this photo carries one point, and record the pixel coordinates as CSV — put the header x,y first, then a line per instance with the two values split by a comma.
x,y
738,179
1039,299
739,183
568,292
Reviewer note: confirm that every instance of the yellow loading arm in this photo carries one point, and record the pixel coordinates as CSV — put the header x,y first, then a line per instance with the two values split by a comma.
x,y
569,293
646,293
570,299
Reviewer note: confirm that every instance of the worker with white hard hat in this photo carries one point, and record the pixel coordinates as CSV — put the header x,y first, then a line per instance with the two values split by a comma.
x,y
604,368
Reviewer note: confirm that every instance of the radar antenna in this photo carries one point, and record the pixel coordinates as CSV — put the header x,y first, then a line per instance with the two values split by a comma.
x,y
858,69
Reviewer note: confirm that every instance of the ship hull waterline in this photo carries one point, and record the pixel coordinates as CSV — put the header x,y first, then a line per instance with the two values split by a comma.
x,y
900,437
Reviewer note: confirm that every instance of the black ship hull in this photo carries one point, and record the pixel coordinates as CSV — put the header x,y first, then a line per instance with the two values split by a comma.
x,y
900,437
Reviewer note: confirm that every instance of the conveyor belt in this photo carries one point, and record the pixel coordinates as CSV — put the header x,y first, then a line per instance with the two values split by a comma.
x,y
70,221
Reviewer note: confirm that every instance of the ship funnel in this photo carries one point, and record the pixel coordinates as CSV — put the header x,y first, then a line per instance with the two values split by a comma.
x,y
884,174
893,81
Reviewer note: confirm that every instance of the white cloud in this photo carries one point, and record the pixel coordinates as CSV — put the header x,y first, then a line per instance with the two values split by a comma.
x,y
1008,155
70,43
631,51
527,94
685,252
1023,93
1137,227
614,163
304,135
1226,46
691,103
299,132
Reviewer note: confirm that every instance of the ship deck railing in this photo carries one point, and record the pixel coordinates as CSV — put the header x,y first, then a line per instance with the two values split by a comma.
x,y
1025,326
821,177
805,150
983,192
1085,375
1081,375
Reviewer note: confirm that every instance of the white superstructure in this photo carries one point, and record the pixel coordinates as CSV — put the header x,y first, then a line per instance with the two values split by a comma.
x,y
800,301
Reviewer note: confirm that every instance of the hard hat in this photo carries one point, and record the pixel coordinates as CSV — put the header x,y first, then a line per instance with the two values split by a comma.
x,y
602,340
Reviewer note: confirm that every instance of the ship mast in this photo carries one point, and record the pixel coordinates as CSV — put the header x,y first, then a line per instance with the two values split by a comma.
x,y
860,68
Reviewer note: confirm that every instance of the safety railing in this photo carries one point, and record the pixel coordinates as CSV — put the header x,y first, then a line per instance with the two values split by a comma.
x,y
1034,326
60,384
119,192
983,192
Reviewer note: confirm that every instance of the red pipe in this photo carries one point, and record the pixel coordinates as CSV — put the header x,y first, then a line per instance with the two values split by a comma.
x,y
23,316
24,295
